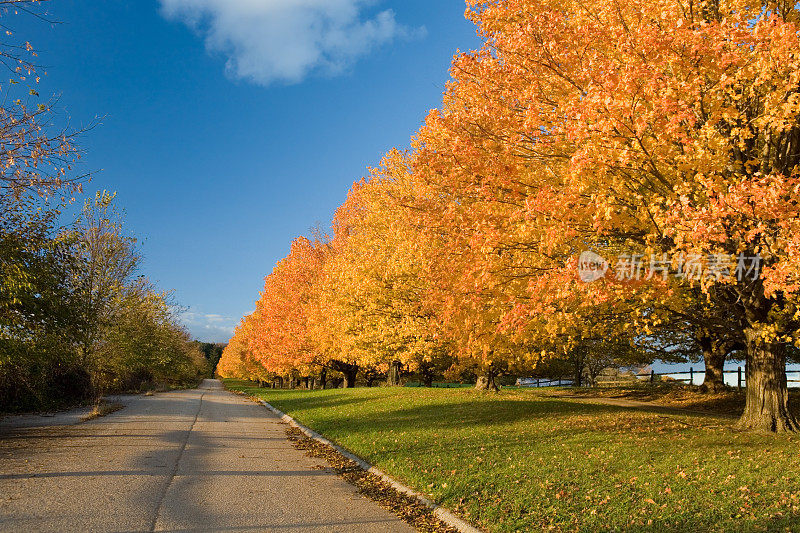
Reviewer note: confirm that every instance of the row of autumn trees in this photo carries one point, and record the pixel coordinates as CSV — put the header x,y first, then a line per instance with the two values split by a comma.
x,y
76,319
629,128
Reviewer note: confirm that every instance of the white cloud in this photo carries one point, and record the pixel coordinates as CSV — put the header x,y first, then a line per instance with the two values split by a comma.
x,y
209,327
269,41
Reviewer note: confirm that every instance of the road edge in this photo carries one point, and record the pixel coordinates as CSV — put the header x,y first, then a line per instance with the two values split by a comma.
x,y
442,513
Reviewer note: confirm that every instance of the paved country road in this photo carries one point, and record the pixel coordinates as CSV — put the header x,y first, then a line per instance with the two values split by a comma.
x,y
196,460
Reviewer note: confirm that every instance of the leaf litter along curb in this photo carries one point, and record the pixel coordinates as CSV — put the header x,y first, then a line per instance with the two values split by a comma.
x,y
102,409
406,507
409,509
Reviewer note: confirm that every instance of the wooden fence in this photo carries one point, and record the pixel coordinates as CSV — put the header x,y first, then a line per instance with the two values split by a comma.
x,y
652,377
545,382
741,380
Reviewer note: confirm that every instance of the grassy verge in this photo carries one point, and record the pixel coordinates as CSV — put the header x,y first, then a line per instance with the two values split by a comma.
x,y
522,460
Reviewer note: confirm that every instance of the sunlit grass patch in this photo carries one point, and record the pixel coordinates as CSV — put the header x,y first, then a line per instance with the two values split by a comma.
x,y
520,460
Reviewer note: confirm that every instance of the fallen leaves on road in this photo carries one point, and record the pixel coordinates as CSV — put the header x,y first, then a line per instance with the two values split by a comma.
x,y
102,409
407,508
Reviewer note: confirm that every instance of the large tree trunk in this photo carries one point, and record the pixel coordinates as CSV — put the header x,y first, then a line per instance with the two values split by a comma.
x,y
766,407
350,371
323,378
426,370
393,376
578,365
487,381
350,377
714,354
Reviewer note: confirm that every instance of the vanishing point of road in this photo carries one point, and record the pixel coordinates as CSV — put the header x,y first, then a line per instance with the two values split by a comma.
x,y
195,460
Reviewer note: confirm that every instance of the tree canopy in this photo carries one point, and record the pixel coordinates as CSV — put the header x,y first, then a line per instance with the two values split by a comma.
x,y
659,137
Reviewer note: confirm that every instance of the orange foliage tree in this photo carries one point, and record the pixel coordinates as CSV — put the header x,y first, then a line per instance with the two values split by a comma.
x,y
650,128
636,129
374,299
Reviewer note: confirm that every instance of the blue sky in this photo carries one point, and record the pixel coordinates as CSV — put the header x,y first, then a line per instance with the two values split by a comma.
x,y
229,127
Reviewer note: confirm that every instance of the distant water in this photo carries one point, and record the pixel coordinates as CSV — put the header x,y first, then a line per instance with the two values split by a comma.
x,y
731,377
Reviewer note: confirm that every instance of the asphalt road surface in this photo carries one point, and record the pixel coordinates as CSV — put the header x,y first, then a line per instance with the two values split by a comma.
x,y
197,460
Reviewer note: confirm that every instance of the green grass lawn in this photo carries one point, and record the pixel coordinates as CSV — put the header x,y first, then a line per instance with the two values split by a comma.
x,y
519,460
